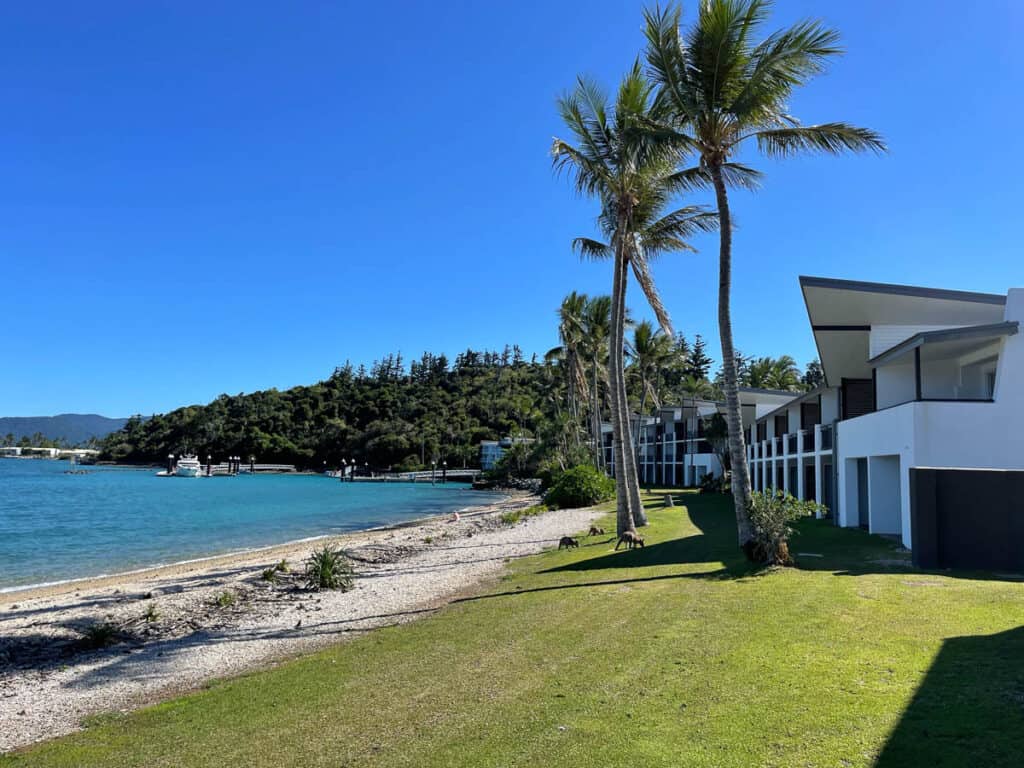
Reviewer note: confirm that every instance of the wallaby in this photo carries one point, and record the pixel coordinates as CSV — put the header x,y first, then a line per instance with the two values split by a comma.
x,y
595,531
568,542
631,539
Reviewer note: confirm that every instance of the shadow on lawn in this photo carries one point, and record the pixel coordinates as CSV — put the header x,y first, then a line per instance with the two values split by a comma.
x,y
969,710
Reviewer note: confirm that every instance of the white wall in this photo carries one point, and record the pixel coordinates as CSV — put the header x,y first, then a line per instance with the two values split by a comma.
x,y
883,433
896,383
885,337
884,493
829,406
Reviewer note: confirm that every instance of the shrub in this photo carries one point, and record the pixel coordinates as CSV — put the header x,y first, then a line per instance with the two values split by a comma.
x,y
151,615
226,599
711,484
282,566
580,486
770,514
99,635
328,568
269,574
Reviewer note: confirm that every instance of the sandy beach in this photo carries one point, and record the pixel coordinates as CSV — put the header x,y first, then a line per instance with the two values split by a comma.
x,y
182,625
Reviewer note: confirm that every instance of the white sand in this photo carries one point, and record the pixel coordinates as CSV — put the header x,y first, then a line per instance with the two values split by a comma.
x,y
48,683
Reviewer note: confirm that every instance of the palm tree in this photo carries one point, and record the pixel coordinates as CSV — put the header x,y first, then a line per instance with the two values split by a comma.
x,y
597,330
724,91
631,175
649,352
569,354
772,373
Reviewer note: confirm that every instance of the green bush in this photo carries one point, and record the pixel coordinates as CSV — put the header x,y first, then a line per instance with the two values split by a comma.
x,y
580,486
328,568
770,514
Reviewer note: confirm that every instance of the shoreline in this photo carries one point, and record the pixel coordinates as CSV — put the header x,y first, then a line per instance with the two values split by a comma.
x,y
15,593
177,627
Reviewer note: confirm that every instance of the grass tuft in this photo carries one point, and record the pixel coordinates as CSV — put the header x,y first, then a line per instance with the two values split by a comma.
x,y
328,568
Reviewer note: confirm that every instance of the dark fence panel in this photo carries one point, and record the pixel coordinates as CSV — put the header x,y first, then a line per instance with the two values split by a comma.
x,y
967,518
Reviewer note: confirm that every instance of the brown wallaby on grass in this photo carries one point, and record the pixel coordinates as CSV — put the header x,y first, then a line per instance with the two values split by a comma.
x,y
595,531
568,542
631,539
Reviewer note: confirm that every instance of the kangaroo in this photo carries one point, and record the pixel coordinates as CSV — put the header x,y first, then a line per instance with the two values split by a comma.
x,y
631,540
568,542
595,531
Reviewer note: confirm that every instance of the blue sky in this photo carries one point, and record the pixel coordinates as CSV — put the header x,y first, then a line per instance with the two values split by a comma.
x,y
221,197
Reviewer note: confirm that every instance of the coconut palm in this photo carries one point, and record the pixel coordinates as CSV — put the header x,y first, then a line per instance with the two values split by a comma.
x,y
631,175
649,351
726,91
597,330
569,353
772,373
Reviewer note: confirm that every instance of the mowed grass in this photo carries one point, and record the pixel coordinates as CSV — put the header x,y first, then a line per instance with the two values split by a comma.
x,y
675,655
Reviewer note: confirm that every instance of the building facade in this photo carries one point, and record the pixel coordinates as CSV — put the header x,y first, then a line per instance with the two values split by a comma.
x,y
915,378
672,445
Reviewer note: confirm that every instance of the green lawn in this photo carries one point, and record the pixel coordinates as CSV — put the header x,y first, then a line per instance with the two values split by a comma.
x,y
675,655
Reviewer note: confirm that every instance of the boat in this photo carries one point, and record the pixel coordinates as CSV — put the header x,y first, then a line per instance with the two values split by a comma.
x,y
188,466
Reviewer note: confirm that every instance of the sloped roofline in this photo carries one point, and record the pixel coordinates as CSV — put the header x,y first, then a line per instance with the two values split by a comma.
x,y
901,290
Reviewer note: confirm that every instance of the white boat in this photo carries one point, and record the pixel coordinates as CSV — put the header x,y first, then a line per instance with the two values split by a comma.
x,y
188,466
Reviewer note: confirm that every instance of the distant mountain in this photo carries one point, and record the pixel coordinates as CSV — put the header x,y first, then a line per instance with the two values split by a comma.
x,y
73,427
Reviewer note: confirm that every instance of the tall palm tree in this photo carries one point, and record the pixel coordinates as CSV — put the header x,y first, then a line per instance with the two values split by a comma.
x,y
725,91
649,352
616,161
597,330
570,353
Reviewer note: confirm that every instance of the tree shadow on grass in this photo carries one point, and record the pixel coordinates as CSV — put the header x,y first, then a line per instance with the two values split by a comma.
x,y
968,710
714,543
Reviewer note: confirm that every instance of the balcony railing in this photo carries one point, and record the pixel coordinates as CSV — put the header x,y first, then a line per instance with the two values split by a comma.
x,y
778,446
826,437
791,443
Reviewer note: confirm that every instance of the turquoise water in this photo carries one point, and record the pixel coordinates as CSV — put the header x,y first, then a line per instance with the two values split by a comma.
x,y
55,526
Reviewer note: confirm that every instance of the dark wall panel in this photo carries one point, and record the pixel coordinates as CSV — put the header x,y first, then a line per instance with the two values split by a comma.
x,y
967,518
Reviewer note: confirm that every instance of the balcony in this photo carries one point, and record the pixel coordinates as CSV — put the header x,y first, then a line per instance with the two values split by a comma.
x,y
826,437
791,444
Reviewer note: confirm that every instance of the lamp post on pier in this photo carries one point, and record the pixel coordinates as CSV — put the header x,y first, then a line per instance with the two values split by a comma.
x,y
170,463
433,470
444,472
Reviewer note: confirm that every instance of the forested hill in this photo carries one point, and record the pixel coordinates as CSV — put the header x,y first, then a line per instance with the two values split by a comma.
x,y
67,428
391,415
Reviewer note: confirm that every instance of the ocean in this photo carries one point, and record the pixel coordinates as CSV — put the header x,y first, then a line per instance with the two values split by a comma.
x,y
56,526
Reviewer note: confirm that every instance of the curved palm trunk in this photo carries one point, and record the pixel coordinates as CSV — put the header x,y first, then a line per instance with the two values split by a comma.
x,y
636,507
629,509
733,418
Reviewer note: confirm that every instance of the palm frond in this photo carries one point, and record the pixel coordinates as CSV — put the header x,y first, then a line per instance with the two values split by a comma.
x,y
783,61
591,249
643,276
831,138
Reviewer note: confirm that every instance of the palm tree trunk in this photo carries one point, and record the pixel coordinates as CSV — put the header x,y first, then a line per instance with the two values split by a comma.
x,y
636,507
624,518
733,417
640,423
595,417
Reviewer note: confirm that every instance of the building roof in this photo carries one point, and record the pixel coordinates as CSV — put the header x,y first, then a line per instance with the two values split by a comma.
x,y
842,313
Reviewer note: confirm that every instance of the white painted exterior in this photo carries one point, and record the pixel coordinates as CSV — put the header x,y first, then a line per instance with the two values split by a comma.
x,y
951,402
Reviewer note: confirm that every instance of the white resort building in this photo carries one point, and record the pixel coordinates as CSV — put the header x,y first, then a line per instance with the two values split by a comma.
x,y
673,449
918,432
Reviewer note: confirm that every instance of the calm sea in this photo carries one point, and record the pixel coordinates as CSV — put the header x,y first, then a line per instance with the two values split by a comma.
x,y
56,526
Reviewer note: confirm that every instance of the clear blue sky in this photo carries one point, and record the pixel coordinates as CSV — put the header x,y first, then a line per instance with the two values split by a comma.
x,y
220,197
